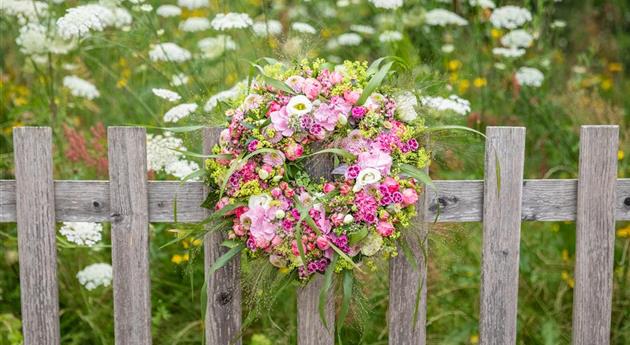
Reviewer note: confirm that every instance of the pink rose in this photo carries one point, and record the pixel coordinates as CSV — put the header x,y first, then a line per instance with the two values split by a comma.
x,y
351,96
295,82
410,196
385,228
322,243
328,187
311,88
336,77
294,151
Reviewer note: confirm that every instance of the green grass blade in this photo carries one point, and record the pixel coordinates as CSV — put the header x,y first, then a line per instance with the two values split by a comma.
x,y
323,292
374,83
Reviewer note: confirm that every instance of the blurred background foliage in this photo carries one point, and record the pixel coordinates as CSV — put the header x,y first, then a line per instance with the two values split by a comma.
x,y
581,46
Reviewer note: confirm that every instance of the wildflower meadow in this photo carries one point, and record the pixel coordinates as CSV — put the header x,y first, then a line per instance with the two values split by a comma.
x,y
400,91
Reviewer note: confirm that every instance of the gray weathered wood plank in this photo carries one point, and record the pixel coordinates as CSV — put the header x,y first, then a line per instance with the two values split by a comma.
x,y
595,237
37,246
459,200
311,330
504,161
130,235
223,308
404,282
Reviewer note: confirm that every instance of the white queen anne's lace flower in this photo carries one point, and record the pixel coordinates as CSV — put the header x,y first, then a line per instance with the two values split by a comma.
x,y
95,275
387,4
390,36
169,52
271,27
510,17
167,94
179,79
82,233
79,21
517,39
349,39
161,155
226,95
227,21
179,112
452,103
406,104
442,17
511,52
181,168
192,4
80,87
529,76
168,11
363,29
34,38
25,10
303,28
482,3
213,47
194,24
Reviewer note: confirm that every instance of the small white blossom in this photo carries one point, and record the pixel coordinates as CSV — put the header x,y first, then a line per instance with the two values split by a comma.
x,y
406,104
528,76
448,48
80,88
168,11
303,28
169,52
452,103
192,4
81,20
179,112
299,105
363,29
179,79
166,94
82,233
349,39
482,3
227,21
367,176
95,275
442,17
390,36
213,47
271,27
508,52
558,24
387,4
25,10
181,168
223,96
194,24
510,17
517,39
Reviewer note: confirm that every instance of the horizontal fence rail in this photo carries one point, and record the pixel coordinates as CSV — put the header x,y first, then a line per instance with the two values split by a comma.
x,y
501,201
452,201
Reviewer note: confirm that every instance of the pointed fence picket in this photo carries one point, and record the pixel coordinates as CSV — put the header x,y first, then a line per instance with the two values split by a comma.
x,y
595,200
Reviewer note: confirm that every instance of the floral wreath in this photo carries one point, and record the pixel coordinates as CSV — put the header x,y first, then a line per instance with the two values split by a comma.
x,y
306,225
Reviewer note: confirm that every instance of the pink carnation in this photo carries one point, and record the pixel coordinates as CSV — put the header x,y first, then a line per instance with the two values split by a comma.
x,y
311,88
410,196
326,116
376,159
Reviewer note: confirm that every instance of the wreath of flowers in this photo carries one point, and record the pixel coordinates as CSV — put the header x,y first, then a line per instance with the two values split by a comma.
x,y
289,116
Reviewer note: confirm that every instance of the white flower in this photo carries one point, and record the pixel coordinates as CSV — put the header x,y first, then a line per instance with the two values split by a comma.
x,y
227,21
34,38
299,105
168,11
213,47
371,244
80,87
348,219
390,36
223,96
121,18
453,103
528,76
406,104
517,39
260,200
349,39
95,275
79,21
442,17
82,233
482,3
24,10
303,28
192,4
181,168
180,111
366,177
510,17
160,150
363,29
194,24
166,94
179,79
558,24
387,4
169,52
448,48
508,52
271,27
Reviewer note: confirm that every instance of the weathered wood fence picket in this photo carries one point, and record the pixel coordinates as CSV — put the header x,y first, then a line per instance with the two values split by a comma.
x,y
595,201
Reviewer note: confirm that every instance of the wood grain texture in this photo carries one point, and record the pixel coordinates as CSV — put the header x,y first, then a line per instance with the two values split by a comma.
x,y
595,237
311,330
223,308
458,200
130,235
505,157
37,245
404,282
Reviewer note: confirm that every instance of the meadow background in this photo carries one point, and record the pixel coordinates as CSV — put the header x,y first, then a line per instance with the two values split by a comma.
x,y
582,47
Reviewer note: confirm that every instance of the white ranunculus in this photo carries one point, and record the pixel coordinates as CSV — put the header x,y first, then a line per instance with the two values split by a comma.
x,y
366,177
299,105
406,104
260,200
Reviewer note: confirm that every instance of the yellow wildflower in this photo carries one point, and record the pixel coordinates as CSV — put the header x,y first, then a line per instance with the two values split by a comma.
x,y
624,232
565,255
480,82
615,67
464,85
568,279
230,79
495,33
474,339
620,155
197,242
606,84
177,259
454,65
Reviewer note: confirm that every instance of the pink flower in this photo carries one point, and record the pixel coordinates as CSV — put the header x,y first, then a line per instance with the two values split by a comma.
x,y
326,116
336,77
385,228
295,82
280,121
260,227
311,88
328,187
351,96
274,159
322,243
376,159
359,112
293,151
409,196
391,184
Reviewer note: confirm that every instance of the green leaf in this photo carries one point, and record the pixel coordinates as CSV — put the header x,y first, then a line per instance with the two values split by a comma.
x,y
298,241
277,84
341,152
225,258
408,253
454,127
374,83
323,293
417,174
345,257
230,243
348,280
199,155
357,236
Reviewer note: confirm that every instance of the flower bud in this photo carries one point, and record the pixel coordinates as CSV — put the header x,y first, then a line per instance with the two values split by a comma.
x,y
280,214
348,219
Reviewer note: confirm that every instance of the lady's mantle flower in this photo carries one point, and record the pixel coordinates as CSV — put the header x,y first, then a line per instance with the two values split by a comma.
x,y
227,21
510,17
366,177
169,52
166,94
180,111
528,76
95,275
80,87
82,233
442,17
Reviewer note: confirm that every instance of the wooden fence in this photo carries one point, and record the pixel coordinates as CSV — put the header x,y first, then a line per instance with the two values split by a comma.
x,y
595,201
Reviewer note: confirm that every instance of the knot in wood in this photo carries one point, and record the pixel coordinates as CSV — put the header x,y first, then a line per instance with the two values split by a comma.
x,y
224,298
160,204
96,204
116,217
626,201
